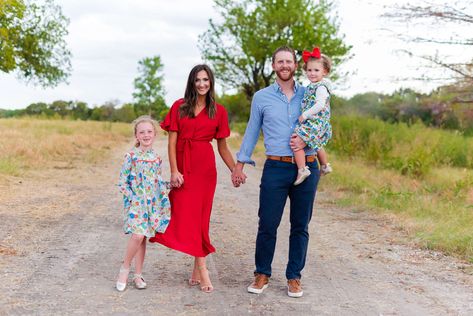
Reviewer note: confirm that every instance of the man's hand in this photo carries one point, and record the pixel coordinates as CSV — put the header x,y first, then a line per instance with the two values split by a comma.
x,y
296,143
238,177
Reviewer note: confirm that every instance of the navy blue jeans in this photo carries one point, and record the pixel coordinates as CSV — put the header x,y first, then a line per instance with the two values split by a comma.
x,y
276,185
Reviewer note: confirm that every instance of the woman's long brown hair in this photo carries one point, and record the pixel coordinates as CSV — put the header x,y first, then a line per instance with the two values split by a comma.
x,y
190,96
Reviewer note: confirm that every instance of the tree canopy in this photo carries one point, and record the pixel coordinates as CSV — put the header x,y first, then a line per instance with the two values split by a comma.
x,y
32,41
149,90
240,47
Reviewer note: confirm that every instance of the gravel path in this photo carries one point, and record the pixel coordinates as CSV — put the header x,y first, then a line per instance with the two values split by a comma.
x,y
61,246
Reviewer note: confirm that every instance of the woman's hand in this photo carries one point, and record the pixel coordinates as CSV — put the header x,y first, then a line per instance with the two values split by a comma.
x,y
177,179
238,177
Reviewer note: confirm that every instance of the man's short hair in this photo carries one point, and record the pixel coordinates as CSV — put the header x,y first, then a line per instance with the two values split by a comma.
x,y
284,49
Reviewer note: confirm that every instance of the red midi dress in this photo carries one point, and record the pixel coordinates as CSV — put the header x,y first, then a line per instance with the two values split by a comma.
x,y
191,204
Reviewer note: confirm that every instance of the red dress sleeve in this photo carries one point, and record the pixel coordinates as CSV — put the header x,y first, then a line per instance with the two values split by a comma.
x,y
223,129
171,121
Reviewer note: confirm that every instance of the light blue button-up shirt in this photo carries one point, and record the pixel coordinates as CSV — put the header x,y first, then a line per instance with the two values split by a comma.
x,y
277,117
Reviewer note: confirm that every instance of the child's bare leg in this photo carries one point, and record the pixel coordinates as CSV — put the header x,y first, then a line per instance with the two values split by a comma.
x,y
132,248
322,155
140,257
302,170
299,157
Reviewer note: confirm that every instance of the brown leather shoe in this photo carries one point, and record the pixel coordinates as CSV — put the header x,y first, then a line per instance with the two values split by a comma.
x,y
259,284
294,288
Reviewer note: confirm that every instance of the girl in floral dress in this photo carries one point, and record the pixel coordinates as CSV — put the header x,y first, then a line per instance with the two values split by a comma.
x,y
314,123
147,209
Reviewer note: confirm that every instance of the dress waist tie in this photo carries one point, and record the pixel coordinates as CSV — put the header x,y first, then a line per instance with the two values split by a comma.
x,y
186,158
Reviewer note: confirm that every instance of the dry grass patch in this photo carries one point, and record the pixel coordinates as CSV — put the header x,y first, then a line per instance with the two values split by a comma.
x,y
35,144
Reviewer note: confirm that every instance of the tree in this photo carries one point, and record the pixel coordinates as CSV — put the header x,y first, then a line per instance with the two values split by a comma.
x,y
80,110
448,13
240,47
126,113
149,91
32,41
38,109
237,106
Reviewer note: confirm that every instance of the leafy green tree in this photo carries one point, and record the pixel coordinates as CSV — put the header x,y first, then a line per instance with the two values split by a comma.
x,y
126,113
62,108
240,47
237,106
38,109
149,90
32,41
80,110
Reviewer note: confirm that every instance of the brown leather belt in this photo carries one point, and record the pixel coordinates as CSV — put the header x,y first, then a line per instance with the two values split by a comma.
x,y
290,159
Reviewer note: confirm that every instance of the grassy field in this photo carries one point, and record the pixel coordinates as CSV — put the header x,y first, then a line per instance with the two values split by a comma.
x,y
413,150
437,210
27,144
434,205
422,177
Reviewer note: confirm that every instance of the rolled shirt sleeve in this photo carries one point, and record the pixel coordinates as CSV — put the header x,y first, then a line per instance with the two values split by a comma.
x,y
251,133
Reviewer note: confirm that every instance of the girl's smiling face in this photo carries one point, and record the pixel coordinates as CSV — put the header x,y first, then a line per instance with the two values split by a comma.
x,y
315,70
145,134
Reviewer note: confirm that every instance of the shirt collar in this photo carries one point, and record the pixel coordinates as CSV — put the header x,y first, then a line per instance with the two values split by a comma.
x,y
277,87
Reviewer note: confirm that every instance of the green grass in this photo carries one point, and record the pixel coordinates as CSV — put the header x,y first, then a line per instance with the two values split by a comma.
x,y
412,150
10,167
422,177
437,211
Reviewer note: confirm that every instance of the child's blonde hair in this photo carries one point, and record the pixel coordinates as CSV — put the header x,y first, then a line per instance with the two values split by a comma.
x,y
143,119
324,59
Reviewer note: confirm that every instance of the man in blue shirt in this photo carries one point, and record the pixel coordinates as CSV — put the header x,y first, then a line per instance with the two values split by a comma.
x,y
275,110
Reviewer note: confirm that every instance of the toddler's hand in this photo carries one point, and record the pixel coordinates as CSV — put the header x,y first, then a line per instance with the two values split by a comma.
x,y
301,119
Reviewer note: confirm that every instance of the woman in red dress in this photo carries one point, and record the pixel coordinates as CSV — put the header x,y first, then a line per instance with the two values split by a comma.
x,y
192,123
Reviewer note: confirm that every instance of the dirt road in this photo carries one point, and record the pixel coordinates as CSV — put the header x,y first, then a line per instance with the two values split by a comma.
x,y
61,246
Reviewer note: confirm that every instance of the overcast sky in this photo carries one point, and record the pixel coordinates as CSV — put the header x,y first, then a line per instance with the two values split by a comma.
x,y
107,38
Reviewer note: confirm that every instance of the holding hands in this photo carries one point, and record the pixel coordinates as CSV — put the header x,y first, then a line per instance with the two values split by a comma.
x,y
177,179
238,177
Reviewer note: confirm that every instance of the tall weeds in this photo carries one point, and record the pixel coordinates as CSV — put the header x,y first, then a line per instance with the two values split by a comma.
x,y
413,150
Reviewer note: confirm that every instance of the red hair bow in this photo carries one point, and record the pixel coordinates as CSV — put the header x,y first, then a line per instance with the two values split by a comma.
x,y
306,54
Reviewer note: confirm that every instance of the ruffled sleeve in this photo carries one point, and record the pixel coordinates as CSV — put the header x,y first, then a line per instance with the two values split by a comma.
x,y
124,182
223,129
171,121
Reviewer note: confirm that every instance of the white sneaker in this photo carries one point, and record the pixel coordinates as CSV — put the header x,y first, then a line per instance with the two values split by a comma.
x,y
302,174
325,169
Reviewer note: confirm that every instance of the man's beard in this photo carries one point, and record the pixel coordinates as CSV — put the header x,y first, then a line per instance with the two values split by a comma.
x,y
290,76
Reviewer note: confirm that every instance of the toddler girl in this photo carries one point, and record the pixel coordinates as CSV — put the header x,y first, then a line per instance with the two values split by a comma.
x,y
314,123
147,207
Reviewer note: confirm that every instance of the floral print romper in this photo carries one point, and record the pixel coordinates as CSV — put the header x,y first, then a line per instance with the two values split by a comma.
x,y
316,131
147,209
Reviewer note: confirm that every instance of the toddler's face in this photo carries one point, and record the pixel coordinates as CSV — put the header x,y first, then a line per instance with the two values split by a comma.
x,y
315,70
145,134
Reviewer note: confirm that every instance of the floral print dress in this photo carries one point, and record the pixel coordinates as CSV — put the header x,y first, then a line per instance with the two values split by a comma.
x,y
316,131
147,209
